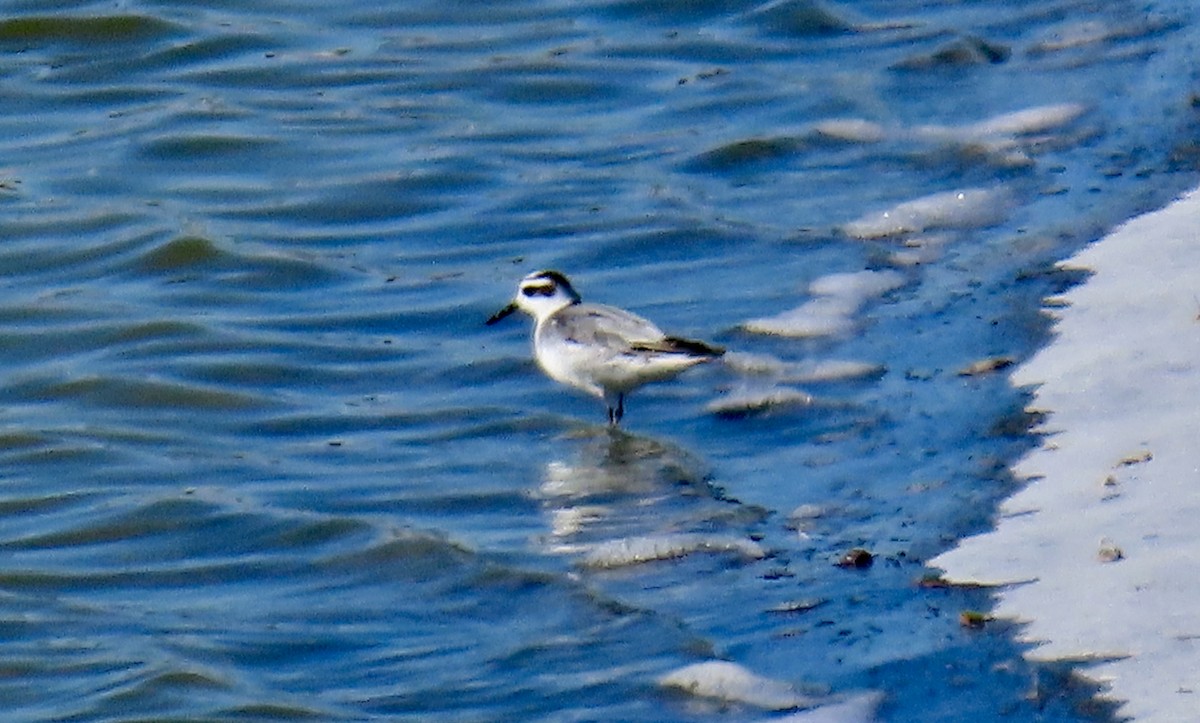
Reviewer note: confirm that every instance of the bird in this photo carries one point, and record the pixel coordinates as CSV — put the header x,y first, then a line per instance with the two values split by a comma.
x,y
602,350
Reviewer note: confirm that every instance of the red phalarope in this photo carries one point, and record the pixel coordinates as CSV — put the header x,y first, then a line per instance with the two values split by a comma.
x,y
602,350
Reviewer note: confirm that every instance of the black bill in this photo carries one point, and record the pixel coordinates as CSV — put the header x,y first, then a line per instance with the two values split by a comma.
x,y
502,313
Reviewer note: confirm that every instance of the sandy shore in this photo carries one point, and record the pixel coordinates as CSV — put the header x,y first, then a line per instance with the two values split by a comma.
x,y
1100,553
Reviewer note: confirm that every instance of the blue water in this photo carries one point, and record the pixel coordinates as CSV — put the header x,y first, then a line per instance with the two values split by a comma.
x,y
261,460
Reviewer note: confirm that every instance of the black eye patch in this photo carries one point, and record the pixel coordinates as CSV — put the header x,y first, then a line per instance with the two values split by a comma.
x,y
538,290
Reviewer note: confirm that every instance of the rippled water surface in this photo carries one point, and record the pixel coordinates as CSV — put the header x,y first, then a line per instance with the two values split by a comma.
x,y
262,460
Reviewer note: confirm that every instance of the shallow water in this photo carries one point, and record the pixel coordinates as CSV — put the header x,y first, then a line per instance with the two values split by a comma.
x,y
261,459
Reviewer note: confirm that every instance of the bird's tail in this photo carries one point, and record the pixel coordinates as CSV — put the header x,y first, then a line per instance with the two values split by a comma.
x,y
677,345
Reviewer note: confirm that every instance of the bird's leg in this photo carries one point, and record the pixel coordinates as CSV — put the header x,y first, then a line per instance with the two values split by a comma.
x,y
615,412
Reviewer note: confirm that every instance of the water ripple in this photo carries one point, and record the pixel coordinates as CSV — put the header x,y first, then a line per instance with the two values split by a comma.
x,y
85,30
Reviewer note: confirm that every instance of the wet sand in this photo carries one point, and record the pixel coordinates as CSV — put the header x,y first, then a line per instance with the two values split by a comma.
x,y
1097,555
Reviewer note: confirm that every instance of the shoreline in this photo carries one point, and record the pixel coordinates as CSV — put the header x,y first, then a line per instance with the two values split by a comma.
x,y
1097,555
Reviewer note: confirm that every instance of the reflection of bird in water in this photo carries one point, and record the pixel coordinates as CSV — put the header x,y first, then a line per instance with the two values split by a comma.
x,y
602,350
616,484
629,499
617,464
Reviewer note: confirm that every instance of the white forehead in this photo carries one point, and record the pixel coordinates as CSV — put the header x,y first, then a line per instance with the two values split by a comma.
x,y
538,282
546,284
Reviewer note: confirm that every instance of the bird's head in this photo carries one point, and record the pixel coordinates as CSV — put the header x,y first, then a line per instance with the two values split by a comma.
x,y
539,294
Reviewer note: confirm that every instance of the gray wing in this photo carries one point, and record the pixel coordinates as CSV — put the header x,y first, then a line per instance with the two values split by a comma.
x,y
597,325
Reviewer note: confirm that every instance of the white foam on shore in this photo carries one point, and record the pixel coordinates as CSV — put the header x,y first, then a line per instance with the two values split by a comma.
x,y
851,130
962,208
749,400
1000,132
730,682
668,546
808,370
1106,537
837,298
765,382
859,708
1040,119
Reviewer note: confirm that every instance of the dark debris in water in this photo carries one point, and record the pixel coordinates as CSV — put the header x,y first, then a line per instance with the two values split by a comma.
x,y
973,619
857,559
935,581
1138,457
703,76
986,366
